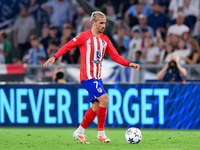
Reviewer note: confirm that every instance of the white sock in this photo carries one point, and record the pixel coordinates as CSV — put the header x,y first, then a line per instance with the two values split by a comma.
x,y
101,133
80,130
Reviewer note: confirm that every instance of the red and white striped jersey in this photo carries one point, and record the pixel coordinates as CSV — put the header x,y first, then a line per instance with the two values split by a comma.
x,y
92,50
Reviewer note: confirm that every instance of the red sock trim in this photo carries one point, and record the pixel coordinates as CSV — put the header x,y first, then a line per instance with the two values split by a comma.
x,y
101,114
88,118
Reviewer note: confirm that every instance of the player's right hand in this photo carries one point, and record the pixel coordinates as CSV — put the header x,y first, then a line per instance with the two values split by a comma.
x,y
50,60
134,66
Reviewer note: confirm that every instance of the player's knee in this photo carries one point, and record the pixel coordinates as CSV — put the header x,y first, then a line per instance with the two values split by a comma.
x,y
95,106
106,100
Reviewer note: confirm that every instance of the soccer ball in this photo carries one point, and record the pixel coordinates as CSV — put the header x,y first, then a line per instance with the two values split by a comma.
x,y
133,135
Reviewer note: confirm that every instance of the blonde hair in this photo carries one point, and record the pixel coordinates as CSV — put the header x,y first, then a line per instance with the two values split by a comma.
x,y
96,15
194,46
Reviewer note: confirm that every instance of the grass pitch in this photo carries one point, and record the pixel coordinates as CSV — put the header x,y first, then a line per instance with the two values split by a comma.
x,y
61,139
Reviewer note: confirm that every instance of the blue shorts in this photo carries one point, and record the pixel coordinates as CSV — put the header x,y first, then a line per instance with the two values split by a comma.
x,y
94,88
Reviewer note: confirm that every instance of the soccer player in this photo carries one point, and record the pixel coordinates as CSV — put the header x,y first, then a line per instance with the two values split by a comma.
x,y
93,44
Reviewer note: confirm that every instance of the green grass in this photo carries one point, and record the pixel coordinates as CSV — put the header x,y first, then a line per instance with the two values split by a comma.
x,y
61,139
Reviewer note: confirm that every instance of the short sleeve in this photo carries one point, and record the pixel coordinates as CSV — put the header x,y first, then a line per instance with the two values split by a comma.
x,y
30,56
169,30
130,9
149,11
151,33
43,51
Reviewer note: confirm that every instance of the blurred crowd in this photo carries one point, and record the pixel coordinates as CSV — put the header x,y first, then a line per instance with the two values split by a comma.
x,y
145,31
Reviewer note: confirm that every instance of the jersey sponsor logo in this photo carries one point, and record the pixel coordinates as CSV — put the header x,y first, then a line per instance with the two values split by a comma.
x,y
98,54
104,44
96,61
98,57
91,43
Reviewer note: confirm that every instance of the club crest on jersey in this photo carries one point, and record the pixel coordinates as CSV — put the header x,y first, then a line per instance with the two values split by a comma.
x,y
104,44
99,90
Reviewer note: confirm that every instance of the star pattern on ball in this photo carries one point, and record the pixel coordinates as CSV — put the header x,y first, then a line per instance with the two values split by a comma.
x,y
130,140
136,135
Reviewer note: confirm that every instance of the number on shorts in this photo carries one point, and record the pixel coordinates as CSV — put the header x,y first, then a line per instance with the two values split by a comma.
x,y
96,84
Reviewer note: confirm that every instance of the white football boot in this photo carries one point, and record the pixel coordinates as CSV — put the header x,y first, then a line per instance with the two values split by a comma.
x,y
80,137
101,136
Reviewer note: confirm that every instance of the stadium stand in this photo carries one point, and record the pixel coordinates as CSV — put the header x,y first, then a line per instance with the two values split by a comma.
x,y
159,22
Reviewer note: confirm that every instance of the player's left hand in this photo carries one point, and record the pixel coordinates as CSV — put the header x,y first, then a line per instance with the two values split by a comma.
x,y
50,60
134,66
